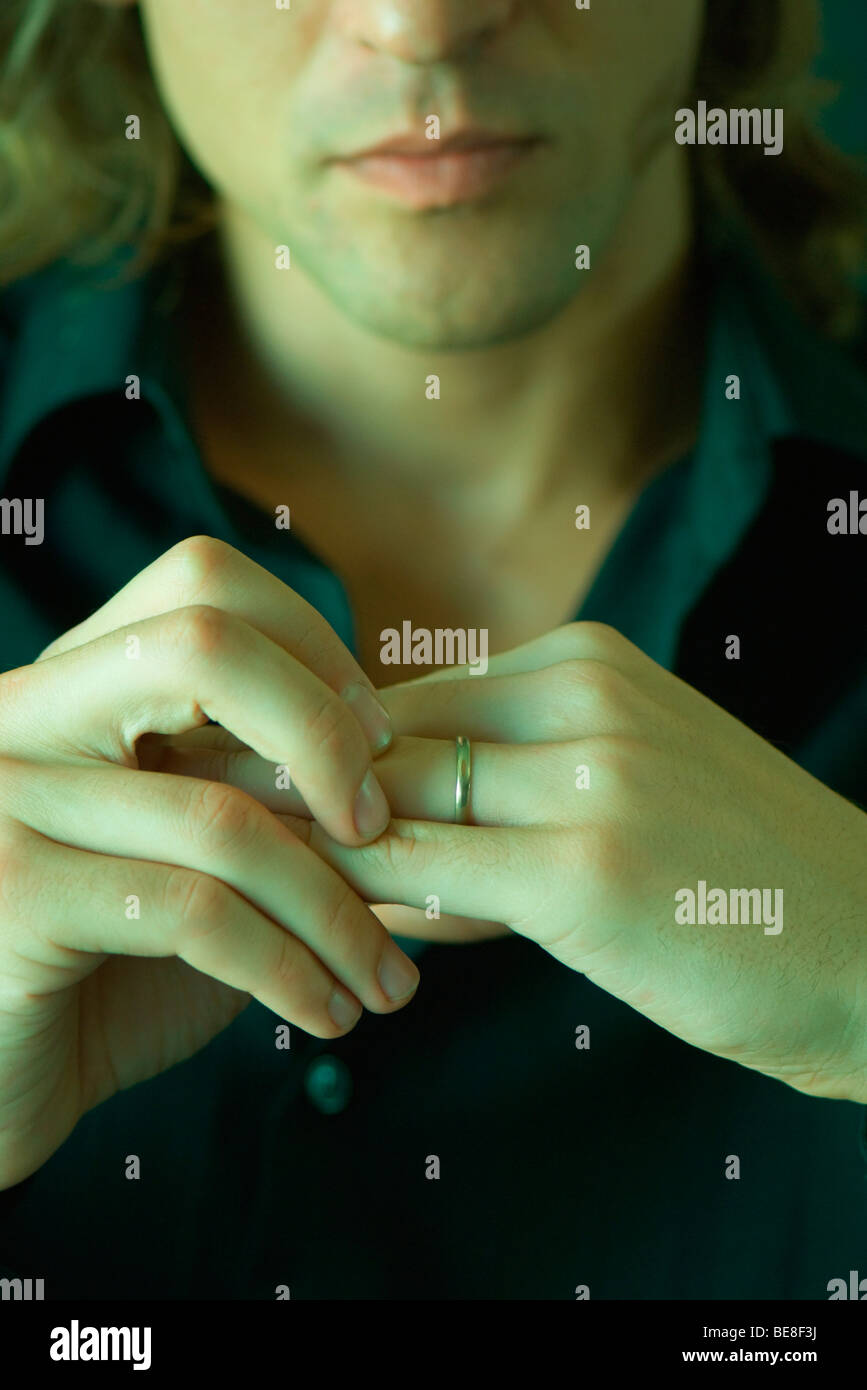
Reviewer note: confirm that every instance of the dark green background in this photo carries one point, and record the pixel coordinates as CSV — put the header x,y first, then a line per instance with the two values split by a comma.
x,y
844,60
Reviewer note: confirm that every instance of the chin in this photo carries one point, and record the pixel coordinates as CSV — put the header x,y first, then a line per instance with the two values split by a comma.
x,y
414,318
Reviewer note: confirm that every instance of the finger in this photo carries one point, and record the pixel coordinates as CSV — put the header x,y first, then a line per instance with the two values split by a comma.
x,y
243,769
219,832
463,870
150,747
567,700
210,735
511,784
426,926
205,571
198,663
585,641
78,905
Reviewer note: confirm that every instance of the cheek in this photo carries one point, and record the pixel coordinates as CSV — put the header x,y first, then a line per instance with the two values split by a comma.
x,y
658,74
225,72
633,33
638,58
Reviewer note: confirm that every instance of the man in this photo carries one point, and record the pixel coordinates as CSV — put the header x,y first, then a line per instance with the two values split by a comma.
x,y
470,340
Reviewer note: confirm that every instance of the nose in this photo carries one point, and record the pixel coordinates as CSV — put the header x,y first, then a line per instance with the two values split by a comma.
x,y
425,31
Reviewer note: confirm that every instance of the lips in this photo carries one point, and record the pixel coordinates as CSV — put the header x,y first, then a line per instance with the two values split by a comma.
x,y
459,141
439,173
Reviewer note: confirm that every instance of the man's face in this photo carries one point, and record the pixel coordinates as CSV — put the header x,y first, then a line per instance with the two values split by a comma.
x,y
460,252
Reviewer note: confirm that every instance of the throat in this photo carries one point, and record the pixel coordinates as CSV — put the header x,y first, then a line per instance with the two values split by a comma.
x,y
407,557
411,570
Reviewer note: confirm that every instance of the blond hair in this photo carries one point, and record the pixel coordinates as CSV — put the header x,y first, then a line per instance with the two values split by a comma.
x,y
71,187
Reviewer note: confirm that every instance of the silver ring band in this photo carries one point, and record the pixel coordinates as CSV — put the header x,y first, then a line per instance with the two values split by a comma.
x,y
464,758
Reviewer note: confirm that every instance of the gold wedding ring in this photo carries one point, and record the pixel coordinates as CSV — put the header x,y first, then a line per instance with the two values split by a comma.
x,y
464,758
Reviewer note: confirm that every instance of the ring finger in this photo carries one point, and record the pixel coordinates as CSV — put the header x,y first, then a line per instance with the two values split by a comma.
x,y
511,784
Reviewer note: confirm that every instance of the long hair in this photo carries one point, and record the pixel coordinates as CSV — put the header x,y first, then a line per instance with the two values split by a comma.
x,y
72,187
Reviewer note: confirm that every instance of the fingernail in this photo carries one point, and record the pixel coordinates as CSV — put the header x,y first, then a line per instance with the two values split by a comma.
x,y
371,808
343,1010
373,717
397,974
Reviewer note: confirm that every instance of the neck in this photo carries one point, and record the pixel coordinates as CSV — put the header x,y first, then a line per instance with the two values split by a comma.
x,y
603,395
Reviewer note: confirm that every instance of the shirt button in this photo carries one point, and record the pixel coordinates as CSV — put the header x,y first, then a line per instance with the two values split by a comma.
x,y
328,1083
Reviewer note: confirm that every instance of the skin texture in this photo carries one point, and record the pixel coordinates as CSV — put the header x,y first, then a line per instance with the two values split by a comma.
x,y
139,913
679,791
324,80
309,383
486,294
112,783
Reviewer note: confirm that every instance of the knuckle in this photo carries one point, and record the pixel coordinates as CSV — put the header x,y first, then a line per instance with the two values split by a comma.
x,y
558,645
599,637
415,851
199,629
392,855
294,971
197,562
331,730
195,904
339,919
222,819
586,682
396,855
584,639
588,673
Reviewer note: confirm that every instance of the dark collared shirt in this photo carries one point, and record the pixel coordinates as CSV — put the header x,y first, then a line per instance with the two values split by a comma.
x,y
559,1166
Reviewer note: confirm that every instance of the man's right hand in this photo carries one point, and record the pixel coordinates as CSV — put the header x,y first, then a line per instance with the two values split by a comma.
x,y
140,911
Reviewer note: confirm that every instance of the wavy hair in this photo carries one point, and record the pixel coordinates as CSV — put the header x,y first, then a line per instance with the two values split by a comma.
x,y
71,188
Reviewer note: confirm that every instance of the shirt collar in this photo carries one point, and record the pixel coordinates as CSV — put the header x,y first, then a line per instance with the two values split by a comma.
x,y
802,385
691,519
77,334
793,384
